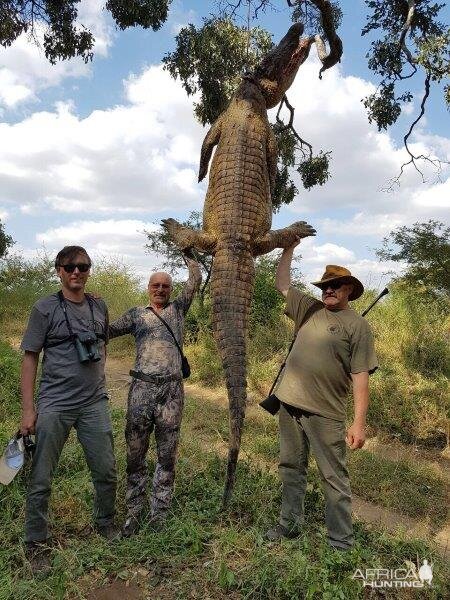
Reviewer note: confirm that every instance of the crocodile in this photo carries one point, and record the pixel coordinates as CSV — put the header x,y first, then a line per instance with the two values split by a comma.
x,y
237,214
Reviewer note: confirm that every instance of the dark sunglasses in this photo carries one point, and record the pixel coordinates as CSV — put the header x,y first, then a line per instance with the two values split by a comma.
x,y
334,285
70,267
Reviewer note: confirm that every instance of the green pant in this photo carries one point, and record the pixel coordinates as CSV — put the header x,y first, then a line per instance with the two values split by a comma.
x,y
94,432
326,438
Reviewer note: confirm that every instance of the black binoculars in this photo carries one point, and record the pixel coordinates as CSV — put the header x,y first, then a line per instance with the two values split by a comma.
x,y
87,347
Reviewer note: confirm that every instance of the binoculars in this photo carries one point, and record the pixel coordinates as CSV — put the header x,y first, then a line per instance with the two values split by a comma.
x,y
87,347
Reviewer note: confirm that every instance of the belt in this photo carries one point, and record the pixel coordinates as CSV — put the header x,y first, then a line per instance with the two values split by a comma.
x,y
154,378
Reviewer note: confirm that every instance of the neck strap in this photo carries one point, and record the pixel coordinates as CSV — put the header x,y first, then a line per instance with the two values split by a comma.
x,y
63,304
169,329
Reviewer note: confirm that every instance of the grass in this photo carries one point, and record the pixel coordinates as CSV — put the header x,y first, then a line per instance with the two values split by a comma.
x,y
202,552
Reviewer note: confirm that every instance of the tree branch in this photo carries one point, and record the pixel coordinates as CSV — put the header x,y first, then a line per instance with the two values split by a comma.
x,y
281,126
437,163
406,27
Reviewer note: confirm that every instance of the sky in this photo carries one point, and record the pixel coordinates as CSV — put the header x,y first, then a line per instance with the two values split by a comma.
x,y
96,154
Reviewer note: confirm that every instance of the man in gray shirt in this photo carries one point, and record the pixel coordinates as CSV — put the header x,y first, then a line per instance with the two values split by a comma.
x,y
71,329
156,396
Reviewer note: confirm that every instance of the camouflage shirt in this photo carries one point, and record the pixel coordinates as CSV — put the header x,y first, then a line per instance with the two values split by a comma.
x,y
156,352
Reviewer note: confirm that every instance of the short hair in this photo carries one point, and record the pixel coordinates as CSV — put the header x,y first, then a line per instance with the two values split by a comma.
x,y
70,252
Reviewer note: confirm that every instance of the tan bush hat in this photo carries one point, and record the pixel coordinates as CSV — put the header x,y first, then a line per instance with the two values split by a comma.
x,y
334,273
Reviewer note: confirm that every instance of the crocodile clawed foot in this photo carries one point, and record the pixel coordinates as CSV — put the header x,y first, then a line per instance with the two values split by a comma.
x,y
177,232
302,229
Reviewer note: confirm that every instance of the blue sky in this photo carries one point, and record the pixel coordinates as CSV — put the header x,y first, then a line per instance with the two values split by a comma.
x,y
97,153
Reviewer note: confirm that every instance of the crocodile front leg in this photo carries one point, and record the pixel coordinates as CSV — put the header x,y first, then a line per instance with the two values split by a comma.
x,y
185,237
282,238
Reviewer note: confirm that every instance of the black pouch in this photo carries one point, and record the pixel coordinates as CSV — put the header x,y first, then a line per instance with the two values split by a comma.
x,y
271,404
185,367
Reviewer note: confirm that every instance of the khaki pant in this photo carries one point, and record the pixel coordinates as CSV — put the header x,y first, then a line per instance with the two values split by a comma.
x,y
94,432
326,438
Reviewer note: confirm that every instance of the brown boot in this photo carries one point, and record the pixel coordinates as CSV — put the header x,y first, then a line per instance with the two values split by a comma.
x,y
38,555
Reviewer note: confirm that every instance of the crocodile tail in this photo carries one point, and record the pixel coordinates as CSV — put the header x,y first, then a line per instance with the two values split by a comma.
x,y
231,288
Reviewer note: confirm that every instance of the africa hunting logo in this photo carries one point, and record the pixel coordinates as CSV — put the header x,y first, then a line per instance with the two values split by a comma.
x,y
404,577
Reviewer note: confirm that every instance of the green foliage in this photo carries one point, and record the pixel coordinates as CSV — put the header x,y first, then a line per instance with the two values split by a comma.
x,y
211,60
428,43
145,13
22,283
117,284
267,303
161,243
383,108
6,241
425,248
409,394
315,170
9,381
307,13
62,38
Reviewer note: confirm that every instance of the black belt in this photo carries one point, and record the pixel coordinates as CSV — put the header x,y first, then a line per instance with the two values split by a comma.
x,y
154,378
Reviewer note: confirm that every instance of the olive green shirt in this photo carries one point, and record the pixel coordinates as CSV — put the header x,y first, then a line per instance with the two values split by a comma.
x,y
329,347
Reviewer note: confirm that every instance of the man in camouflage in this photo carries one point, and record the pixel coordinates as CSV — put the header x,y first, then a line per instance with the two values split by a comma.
x,y
156,396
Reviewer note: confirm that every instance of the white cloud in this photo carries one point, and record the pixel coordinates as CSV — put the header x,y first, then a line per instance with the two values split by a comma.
x,y
434,198
137,157
363,224
25,71
3,215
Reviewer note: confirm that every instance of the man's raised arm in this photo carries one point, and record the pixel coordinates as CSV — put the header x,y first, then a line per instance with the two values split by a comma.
x,y
192,285
283,276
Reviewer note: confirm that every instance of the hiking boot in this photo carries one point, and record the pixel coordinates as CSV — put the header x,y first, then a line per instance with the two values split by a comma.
x,y
38,555
279,532
130,527
110,532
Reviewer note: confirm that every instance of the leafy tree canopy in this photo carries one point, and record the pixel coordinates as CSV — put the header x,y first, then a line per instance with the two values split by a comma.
x,y
425,248
6,241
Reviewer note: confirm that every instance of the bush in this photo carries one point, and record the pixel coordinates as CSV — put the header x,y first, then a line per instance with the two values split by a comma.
x,y
9,382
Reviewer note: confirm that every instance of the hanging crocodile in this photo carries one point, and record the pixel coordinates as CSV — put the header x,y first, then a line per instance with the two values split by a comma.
x,y
238,212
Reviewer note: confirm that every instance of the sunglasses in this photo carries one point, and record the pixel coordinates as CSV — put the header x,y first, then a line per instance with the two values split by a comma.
x,y
334,285
70,267
157,286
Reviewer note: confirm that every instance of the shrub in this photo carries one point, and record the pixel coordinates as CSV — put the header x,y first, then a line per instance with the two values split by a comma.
x,y
9,381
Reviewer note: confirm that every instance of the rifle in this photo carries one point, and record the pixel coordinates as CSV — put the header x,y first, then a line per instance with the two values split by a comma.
x,y
272,403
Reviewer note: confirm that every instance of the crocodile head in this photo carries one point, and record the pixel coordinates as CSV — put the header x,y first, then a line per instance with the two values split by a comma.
x,y
275,74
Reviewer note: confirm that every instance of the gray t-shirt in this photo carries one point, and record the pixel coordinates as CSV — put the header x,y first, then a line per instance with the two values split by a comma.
x,y
66,383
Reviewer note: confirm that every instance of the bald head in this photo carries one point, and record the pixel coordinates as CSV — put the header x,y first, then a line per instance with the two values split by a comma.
x,y
159,289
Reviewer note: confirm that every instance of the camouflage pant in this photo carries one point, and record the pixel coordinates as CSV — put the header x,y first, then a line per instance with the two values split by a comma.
x,y
159,407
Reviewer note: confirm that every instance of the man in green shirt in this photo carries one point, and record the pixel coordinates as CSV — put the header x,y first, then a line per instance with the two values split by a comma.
x,y
333,351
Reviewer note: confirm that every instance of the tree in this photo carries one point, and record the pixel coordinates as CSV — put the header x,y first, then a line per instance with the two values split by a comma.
x,y
425,248
62,37
411,43
6,241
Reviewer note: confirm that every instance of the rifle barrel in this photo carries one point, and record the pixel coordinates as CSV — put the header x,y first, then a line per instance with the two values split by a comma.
x,y
380,295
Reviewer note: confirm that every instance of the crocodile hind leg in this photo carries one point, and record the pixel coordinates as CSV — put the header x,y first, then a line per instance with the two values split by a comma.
x,y
185,237
282,238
